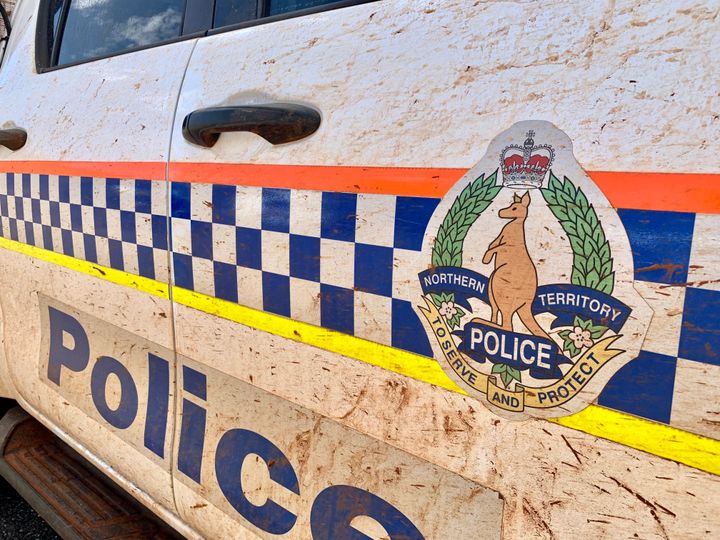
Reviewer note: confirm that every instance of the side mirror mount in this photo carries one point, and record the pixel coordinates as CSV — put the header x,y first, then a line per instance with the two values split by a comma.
x,y
5,29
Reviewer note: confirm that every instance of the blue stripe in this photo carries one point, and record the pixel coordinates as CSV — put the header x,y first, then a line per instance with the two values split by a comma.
x,y
86,190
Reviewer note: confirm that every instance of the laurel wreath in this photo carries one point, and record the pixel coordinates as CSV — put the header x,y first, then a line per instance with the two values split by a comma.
x,y
592,259
448,247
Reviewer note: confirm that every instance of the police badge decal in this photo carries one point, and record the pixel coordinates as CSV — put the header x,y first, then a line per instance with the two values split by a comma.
x,y
528,298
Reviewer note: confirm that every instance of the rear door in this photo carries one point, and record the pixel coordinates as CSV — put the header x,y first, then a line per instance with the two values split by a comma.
x,y
83,206
292,238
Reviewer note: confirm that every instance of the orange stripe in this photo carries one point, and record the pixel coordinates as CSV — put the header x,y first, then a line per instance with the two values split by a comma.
x,y
147,170
661,191
683,192
389,181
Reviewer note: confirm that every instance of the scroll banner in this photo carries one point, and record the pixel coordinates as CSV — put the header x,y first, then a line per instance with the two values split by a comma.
x,y
563,300
561,391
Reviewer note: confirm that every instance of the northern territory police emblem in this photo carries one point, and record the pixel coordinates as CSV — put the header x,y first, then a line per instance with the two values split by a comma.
x,y
528,294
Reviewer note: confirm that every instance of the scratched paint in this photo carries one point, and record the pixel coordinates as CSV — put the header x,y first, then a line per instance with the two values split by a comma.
x,y
531,464
322,453
621,78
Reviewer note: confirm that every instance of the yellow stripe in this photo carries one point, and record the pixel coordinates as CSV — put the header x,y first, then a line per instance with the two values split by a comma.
x,y
140,283
399,361
658,439
664,441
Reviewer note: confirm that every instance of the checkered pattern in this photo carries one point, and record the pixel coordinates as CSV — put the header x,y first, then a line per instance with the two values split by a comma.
x,y
263,247
117,224
330,259
677,272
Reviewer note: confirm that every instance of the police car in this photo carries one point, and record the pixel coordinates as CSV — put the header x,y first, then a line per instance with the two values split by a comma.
x,y
364,269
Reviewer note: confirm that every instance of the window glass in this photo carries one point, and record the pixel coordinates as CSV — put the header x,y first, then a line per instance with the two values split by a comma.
x,y
55,11
101,27
229,12
277,7
53,23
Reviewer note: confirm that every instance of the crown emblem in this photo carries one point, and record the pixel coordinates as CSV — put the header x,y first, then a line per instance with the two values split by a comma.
x,y
525,166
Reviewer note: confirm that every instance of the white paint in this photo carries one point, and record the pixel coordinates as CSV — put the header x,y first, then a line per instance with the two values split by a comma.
x,y
323,452
529,463
115,109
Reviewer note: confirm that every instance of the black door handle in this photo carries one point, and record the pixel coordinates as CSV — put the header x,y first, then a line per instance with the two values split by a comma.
x,y
277,123
13,138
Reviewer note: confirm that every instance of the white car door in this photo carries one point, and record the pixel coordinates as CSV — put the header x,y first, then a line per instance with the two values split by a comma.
x,y
265,238
83,212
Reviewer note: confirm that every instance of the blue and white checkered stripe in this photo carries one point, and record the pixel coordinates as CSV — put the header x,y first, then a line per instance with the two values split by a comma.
x,y
343,261
114,223
328,259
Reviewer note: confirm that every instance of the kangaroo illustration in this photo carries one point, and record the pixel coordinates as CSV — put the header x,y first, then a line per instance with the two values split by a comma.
x,y
513,282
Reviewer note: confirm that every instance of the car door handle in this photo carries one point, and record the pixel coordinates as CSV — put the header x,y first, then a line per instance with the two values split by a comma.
x,y
277,123
13,138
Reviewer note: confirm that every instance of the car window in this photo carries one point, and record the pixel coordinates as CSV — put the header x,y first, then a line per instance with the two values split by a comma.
x,y
228,12
96,28
276,7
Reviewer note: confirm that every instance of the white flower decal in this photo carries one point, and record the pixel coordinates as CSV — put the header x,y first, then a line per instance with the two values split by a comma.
x,y
581,338
447,310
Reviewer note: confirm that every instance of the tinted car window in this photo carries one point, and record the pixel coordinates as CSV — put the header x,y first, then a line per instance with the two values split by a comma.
x,y
54,14
102,27
55,11
277,7
229,12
